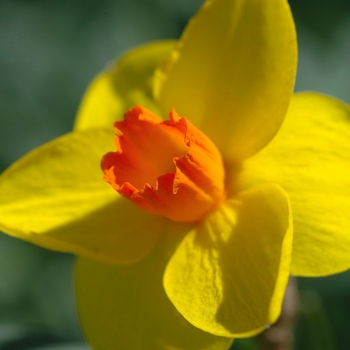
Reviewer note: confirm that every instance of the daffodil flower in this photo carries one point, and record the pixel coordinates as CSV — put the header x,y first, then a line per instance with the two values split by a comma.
x,y
191,245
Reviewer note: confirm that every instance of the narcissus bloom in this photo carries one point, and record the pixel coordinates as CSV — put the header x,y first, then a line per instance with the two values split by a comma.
x,y
191,245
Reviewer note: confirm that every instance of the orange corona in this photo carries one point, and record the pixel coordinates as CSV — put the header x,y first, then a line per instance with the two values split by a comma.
x,y
168,167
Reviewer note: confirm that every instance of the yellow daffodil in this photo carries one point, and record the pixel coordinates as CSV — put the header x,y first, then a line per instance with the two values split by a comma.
x,y
191,245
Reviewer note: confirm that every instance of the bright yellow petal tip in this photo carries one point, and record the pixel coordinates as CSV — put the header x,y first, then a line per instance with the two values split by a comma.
x,y
232,73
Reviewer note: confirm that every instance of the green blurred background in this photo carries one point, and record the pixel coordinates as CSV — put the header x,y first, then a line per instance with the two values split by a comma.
x,y
49,52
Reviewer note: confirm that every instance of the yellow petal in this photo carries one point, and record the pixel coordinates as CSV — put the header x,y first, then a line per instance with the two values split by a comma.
x,y
126,83
232,73
125,307
228,276
310,159
55,197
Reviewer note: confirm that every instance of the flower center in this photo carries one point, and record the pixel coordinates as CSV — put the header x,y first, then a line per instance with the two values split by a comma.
x,y
169,168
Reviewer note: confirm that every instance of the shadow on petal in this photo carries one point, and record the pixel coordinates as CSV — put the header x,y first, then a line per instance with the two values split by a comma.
x,y
118,233
125,307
